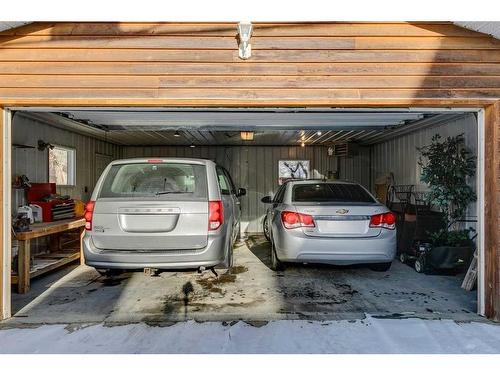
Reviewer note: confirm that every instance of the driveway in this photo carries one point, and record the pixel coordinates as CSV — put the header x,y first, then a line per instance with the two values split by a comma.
x,y
368,335
250,292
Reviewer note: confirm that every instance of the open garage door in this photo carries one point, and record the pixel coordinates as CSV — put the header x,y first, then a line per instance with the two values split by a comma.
x,y
260,149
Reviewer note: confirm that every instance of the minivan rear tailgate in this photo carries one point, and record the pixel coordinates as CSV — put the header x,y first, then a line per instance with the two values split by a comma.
x,y
147,225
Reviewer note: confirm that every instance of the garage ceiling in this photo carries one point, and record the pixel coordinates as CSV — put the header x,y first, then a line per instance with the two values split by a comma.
x,y
153,127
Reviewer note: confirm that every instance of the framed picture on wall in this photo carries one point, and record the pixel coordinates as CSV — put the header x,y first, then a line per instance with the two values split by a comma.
x,y
288,169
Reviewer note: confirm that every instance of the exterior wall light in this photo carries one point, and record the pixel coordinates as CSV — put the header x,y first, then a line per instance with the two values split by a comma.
x,y
244,34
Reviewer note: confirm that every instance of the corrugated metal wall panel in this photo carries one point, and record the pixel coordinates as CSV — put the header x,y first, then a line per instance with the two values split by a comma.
x,y
34,163
357,168
400,155
252,167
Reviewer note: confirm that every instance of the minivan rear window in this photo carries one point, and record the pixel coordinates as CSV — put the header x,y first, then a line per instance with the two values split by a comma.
x,y
328,192
170,181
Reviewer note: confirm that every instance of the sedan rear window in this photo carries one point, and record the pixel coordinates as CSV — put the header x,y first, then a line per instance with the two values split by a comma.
x,y
165,180
328,192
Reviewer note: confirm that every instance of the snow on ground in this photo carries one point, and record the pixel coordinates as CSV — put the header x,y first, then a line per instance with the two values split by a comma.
x,y
369,335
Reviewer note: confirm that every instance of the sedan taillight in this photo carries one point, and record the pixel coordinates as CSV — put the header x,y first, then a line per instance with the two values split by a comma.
x,y
293,220
215,215
386,220
89,213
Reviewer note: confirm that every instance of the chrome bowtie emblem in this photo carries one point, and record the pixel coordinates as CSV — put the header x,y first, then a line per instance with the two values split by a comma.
x,y
342,211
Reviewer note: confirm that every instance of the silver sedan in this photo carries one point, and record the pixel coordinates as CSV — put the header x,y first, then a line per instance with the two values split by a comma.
x,y
333,222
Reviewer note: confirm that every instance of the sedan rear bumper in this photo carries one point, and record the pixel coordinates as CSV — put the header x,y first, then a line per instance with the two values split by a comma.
x,y
294,246
212,255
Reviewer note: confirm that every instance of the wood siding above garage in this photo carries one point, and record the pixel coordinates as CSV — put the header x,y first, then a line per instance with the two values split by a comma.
x,y
293,63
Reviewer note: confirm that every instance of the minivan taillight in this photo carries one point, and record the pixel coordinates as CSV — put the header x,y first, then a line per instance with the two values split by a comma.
x,y
89,212
215,215
293,220
386,220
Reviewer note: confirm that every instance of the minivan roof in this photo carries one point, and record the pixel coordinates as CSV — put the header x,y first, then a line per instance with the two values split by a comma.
x,y
163,160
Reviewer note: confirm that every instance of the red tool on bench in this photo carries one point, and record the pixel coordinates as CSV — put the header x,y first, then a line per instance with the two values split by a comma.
x,y
54,207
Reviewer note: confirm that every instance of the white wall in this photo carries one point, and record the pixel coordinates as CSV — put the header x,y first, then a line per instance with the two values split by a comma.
x,y
34,163
400,155
254,168
357,168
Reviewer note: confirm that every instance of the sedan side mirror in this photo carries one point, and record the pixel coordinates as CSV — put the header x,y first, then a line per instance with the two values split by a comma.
x,y
241,192
267,199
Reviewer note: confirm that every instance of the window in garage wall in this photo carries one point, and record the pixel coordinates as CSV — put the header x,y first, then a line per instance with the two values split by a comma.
x,y
62,168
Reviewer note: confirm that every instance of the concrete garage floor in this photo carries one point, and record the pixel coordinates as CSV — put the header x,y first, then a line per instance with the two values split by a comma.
x,y
250,292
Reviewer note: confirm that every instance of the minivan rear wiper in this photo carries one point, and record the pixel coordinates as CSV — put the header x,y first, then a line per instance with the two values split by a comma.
x,y
172,192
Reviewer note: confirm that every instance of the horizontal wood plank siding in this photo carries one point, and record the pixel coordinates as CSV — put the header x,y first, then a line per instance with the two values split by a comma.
x,y
207,69
172,63
258,43
422,29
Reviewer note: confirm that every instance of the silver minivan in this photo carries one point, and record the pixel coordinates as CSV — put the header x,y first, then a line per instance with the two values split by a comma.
x,y
162,213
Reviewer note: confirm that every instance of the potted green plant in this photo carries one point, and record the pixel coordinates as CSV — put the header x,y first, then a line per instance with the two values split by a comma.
x,y
447,165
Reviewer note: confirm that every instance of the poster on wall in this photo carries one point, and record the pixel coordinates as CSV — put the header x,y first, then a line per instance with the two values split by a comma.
x,y
288,169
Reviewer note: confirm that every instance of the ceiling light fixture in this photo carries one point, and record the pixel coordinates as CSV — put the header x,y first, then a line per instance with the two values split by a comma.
x,y
177,134
319,133
246,136
302,144
192,145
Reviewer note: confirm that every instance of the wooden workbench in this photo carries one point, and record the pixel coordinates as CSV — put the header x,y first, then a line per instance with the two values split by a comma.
x,y
56,257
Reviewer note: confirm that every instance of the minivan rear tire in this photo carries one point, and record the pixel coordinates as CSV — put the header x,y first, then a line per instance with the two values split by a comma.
x,y
229,259
107,272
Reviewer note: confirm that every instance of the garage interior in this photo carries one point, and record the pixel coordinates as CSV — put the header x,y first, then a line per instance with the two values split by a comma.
x,y
363,145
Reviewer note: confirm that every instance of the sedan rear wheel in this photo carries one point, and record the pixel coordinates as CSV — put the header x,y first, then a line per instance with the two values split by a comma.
x,y
276,264
265,227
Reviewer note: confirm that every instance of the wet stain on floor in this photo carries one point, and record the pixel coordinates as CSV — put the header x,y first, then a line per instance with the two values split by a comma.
x,y
334,294
62,300
213,283
251,291
113,281
237,270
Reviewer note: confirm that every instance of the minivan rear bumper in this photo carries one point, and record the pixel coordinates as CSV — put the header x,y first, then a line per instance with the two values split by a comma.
x,y
211,255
